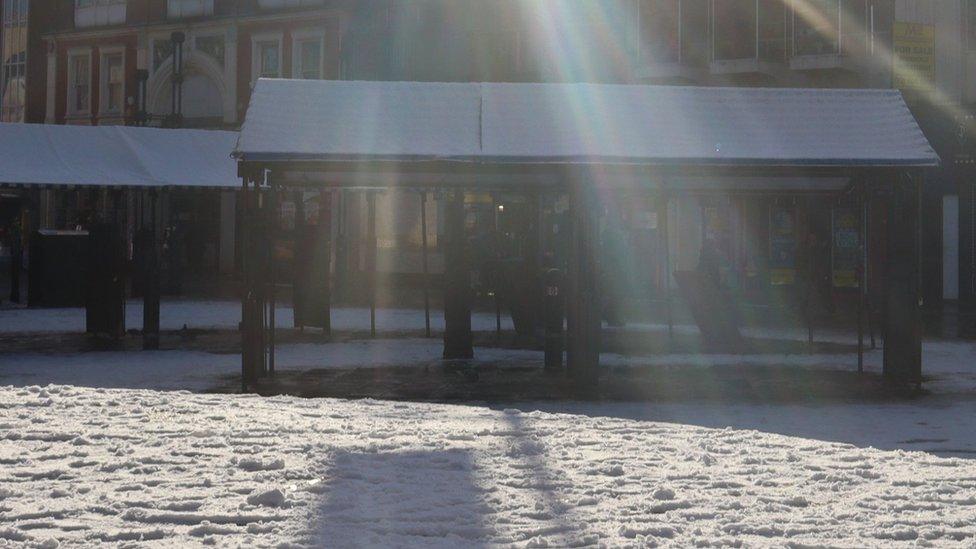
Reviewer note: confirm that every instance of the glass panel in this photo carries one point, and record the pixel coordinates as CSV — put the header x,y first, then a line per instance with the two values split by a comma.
x,y
268,59
80,84
735,29
311,59
114,85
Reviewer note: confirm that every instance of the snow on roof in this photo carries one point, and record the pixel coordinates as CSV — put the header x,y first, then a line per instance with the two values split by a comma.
x,y
336,120
36,154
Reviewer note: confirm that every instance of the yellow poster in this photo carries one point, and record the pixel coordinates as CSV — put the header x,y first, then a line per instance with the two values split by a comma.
x,y
914,58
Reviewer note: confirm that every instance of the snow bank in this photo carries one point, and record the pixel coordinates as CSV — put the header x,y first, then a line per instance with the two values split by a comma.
x,y
85,467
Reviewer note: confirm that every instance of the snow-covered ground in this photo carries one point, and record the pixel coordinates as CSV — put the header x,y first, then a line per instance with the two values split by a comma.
x,y
87,466
115,453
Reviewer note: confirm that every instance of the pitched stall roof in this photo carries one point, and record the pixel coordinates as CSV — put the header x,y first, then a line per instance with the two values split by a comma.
x,y
116,156
580,123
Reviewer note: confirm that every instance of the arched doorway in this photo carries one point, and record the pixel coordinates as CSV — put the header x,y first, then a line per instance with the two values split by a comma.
x,y
205,97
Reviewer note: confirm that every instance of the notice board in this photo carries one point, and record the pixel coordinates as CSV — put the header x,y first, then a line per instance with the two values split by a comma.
x,y
914,58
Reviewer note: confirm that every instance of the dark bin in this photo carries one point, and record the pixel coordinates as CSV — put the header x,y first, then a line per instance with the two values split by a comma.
x,y
56,268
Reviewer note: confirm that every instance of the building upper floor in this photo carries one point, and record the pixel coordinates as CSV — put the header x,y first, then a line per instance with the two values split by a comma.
x,y
84,62
89,14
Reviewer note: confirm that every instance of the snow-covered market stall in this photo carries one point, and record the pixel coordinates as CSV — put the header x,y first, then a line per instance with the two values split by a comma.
x,y
590,150
89,202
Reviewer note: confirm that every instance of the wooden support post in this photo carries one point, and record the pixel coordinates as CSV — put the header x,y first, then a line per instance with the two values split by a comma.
x,y
583,301
253,305
150,282
248,358
458,341
371,259
902,341
423,255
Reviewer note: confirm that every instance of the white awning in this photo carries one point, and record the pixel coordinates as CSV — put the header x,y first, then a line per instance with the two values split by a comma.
x,y
116,156
580,123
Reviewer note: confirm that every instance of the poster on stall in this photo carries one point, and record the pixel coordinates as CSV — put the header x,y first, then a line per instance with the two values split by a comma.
x,y
845,248
782,245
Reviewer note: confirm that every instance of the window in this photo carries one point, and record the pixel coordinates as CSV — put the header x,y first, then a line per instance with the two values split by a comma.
x,y
13,60
79,76
176,9
112,73
309,65
307,53
815,25
749,29
94,13
266,56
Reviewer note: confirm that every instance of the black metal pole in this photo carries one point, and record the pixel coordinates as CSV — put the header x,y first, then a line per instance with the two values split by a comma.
x,y
150,291
272,235
423,255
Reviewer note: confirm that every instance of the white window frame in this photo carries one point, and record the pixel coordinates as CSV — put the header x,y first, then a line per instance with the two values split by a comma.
x,y
307,35
175,9
72,55
103,75
256,40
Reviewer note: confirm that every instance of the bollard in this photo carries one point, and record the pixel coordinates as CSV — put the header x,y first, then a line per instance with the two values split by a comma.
x,y
553,305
